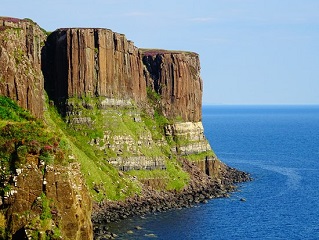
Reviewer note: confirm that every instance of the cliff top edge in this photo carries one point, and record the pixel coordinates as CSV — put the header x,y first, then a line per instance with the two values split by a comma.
x,y
155,51
16,20
144,51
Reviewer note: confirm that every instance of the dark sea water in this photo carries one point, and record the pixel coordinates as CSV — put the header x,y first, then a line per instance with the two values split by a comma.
x,y
279,146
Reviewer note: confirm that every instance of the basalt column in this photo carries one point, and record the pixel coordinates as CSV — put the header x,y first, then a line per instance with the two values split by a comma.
x,y
175,77
92,63
20,63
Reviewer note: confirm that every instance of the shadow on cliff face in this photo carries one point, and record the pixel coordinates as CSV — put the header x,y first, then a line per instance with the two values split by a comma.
x,y
51,59
20,235
153,66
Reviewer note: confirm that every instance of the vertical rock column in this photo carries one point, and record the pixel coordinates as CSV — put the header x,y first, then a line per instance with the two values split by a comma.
x,y
20,63
175,77
93,62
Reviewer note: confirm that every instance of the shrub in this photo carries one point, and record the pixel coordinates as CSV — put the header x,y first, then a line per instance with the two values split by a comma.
x,y
46,210
47,157
22,152
2,221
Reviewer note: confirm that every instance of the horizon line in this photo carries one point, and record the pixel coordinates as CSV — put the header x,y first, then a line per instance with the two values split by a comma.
x,y
260,104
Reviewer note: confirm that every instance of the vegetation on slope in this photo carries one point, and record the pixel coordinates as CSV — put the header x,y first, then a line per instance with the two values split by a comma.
x,y
22,136
56,142
88,144
102,179
24,139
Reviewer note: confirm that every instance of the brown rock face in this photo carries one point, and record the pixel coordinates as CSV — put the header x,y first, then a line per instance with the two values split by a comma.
x,y
175,77
191,134
92,63
98,62
20,63
70,203
72,200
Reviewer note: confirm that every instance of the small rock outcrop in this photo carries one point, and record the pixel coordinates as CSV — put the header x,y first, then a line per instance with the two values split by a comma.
x,y
72,200
58,196
21,78
190,136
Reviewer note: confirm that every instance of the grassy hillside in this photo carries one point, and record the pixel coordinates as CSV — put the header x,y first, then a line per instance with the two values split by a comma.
x,y
22,137
53,141
103,179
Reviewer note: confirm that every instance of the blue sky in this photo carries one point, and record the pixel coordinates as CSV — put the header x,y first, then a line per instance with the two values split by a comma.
x,y
251,51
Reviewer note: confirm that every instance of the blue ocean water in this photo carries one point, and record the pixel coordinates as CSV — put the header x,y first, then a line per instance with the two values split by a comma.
x,y
279,146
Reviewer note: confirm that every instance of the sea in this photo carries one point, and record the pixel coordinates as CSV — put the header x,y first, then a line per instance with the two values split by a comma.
x,y
279,147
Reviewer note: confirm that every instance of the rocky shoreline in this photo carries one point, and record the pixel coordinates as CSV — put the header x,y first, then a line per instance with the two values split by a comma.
x,y
201,188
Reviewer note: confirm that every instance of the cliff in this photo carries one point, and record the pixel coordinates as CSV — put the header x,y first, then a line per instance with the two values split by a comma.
x,y
21,79
99,62
175,77
92,63
105,70
41,194
53,204
119,123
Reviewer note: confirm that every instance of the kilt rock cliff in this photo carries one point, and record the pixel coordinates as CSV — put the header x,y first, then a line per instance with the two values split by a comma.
x,y
94,129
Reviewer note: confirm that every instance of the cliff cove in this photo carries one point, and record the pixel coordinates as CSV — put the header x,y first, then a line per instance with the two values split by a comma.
x,y
94,129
